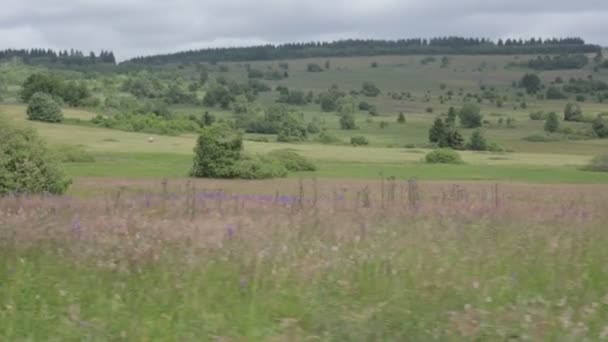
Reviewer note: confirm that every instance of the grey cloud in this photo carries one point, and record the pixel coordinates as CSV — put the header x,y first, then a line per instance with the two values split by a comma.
x,y
137,27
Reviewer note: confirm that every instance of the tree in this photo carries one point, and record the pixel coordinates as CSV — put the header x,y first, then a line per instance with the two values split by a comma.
x,y
478,141
291,128
42,107
312,67
437,132
470,116
600,127
451,119
401,118
26,164
552,123
573,112
554,93
217,150
453,139
531,82
347,121
369,89
41,83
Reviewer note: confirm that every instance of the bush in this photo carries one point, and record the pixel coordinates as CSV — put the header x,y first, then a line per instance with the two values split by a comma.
x,y
347,121
401,118
258,167
313,67
293,161
326,137
359,141
478,141
217,150
600,127
552,123
26,163
554,93
443,156
369,89
573,112
538,116
540,138
73,154
42,107
470,116
598,164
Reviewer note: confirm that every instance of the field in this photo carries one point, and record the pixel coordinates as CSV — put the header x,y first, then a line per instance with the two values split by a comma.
x,y
374,245
285,261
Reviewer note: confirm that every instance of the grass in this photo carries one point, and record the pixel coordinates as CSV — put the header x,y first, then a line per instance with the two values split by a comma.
x,y
463,262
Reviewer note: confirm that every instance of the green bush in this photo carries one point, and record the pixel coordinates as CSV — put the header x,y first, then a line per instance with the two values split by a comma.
x,y
598,164
258,167
293,161
73,154
42,107
26,163
326,137
478,141
359,141
470,116
540,138
217,150
443,156
538,116
600,127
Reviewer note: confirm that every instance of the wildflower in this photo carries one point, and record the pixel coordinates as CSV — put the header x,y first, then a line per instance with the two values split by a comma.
x,y
230,229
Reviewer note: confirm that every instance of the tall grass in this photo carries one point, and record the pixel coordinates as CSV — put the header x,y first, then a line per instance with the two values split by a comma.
x,y
316,260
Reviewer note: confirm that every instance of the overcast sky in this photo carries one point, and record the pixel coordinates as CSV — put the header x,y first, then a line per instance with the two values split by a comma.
x,y
141,27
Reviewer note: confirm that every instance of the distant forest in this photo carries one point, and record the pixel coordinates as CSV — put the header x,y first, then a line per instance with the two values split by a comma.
x,y
353,47
65,58
342,48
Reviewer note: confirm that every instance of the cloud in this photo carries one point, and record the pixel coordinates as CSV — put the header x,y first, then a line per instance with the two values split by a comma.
x,y
139,27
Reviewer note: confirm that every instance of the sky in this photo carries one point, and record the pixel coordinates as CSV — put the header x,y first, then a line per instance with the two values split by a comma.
x,y
142,27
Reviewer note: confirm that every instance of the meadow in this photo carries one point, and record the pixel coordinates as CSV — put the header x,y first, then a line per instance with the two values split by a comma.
x,y
305,260
375,245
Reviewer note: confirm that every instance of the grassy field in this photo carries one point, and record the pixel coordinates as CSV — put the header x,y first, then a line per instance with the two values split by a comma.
x,y
126,154
231,261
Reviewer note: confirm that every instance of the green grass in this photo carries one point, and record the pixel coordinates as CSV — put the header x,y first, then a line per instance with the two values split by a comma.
x,y
456,269
151,165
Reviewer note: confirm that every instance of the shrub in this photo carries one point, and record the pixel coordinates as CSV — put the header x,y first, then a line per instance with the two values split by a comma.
x,y
293,161
600,127
573,112
258,167
537,116
540,138
552,123
313,67
26,163
470,116
598,164
359,141
443,156
347,121
478,142
42,107
364,106
554,93
369,89
217,150
73,154
401,118
326,137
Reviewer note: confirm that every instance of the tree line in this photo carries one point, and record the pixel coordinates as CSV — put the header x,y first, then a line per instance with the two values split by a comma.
x,y
371,47
61,57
